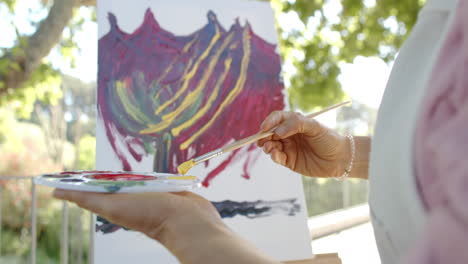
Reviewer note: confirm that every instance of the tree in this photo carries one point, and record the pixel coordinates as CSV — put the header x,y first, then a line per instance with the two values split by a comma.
x,y
315,50
67,121
24,75
183,94
87,154
338,31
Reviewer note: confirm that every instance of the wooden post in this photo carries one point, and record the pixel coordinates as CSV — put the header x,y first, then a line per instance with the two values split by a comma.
x,y
80,236
1,204
33,222
91,238
64,238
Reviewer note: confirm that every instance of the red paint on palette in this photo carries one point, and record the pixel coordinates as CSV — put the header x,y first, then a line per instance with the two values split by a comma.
x,y
121,177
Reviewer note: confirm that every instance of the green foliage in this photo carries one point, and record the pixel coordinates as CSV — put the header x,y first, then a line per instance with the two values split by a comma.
x,y
16,236
25,152
338,31
357,119
44,83
326,195
7,121
10,4
87,154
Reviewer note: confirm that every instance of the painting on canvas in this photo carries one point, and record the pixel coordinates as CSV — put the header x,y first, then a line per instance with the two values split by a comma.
x,y
181,78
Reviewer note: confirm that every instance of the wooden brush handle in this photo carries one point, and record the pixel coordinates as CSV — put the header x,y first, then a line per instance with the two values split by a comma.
x,y
246,141
258,136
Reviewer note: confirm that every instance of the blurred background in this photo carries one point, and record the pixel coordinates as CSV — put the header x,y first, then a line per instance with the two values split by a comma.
x,y
331,50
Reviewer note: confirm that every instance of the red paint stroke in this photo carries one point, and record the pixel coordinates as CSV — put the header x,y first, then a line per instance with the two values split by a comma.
x,y
250,161
132,146
152,64
121,177
212,174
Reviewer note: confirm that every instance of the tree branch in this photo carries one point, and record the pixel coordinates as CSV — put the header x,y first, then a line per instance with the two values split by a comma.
x,y
38,45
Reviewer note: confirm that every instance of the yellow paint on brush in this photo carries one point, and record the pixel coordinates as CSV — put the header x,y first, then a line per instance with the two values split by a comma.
x,y
232,94
190,74
183,178
186,166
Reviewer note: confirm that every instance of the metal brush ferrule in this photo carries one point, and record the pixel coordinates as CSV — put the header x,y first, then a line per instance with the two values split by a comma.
x,y
208,156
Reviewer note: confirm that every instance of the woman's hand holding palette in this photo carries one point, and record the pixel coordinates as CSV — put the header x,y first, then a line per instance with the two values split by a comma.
x,y
123,182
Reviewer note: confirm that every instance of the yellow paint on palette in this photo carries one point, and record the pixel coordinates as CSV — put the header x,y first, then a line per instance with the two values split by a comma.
x,y
232,95
192,96
183,178
189,75
209,103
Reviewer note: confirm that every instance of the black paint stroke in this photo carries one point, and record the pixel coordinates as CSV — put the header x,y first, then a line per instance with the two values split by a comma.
x,y
257,209
230,209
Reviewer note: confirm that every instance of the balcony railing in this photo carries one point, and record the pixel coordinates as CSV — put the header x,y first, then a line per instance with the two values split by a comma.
x,y
64,233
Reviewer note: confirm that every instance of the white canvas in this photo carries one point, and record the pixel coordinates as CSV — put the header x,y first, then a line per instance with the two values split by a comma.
x,y
282,236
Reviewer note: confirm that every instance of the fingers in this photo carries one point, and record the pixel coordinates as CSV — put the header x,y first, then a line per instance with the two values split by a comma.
x,y
126,209
275,149
296,123
156,214
272,120
288,124
279,157
107,204
269,146
95,202
262,141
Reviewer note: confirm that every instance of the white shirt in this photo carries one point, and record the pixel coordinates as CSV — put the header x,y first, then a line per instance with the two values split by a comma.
x,y
397,210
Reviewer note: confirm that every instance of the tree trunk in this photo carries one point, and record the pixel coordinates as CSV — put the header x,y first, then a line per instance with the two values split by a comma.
x,y
37,46
161,155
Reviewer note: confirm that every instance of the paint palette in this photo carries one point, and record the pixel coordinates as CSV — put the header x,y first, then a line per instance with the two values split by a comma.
x,y
122,181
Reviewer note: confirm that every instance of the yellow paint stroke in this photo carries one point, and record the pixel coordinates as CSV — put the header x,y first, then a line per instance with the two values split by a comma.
x,y
171,65
189,64
133,111
191,96
234,92
189,75
209,103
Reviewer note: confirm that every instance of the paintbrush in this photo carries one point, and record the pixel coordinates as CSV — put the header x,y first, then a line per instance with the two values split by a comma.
x,y
186,166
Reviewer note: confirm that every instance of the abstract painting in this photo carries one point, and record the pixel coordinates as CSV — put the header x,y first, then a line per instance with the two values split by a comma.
x,y
173,97
181,78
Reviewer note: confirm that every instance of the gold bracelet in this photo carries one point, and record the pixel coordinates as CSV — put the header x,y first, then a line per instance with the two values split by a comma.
x,y
351,161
